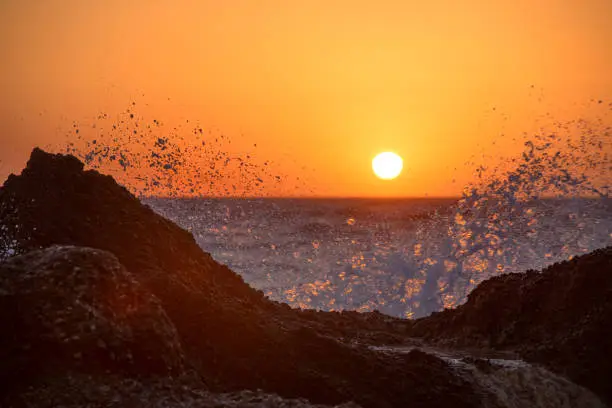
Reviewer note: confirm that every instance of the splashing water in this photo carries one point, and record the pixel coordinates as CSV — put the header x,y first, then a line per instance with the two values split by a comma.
x,y
152,159
406,258
410,258
8,246
551,203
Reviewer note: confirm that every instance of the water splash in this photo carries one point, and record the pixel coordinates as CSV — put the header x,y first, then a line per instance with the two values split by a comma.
x,y
548,203
153,159
542,206
8,245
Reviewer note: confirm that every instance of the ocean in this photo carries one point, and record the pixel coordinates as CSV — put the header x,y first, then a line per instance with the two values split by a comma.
x,y
405,257
402,257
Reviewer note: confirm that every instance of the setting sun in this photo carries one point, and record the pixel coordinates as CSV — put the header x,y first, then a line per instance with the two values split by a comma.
x,y
387,165
311,174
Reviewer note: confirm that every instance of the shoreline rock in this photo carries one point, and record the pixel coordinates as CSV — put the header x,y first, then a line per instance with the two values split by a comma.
x,y
67,309
204,322
560,318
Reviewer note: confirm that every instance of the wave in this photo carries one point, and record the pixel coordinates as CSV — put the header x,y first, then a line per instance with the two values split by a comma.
x,y
549,202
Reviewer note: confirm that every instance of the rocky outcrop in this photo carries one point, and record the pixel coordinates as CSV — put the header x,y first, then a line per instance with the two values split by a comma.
x,y
107,289
560,317
77,391
66,309
230,334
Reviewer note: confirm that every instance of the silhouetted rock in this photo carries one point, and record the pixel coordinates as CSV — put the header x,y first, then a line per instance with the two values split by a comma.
x,y
560,318
230,334
164,309
78,391
67,309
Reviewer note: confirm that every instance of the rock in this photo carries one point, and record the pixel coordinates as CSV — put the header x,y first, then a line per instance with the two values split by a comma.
x,y
560,318
139,297
230,334
77,391
67,309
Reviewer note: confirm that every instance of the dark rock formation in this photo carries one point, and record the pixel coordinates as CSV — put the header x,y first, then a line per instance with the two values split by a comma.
x,y
78,391
560,318
231,335
147,304
77,309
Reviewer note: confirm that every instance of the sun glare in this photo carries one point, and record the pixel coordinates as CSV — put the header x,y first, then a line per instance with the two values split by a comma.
x,y
387,165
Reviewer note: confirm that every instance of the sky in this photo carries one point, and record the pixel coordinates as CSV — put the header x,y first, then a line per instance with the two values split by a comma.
x,y
319,87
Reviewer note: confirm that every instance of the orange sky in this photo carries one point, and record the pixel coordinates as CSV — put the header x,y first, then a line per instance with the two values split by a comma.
x,y
320,86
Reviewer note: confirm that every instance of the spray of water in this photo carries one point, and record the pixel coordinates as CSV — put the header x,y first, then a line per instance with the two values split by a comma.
x,y
153,159
545,205
549,202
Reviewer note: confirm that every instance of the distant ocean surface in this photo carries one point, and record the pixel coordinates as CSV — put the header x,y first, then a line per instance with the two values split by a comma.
x,y
403,257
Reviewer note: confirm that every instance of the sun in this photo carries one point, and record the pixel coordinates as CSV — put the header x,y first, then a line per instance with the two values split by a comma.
x,y
387,165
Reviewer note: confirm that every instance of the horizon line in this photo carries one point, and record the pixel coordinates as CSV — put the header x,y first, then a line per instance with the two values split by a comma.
x,y
304,197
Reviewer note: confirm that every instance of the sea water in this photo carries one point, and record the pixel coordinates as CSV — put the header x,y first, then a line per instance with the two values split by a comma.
x,y
404,257
547,202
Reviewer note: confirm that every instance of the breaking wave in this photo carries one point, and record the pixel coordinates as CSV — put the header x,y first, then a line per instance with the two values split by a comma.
x,y
151,158
407,258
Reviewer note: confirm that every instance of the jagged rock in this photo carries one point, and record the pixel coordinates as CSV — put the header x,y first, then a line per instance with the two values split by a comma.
x,y
231,334
68,309
560,318
235,338
77,391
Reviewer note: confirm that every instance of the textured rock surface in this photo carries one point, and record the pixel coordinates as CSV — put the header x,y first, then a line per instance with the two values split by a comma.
x,y
560,318
68,309
77,391
231,335
148,302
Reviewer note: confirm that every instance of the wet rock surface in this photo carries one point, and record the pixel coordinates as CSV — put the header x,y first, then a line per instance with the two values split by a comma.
x,y
230,334
560,318
166,311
